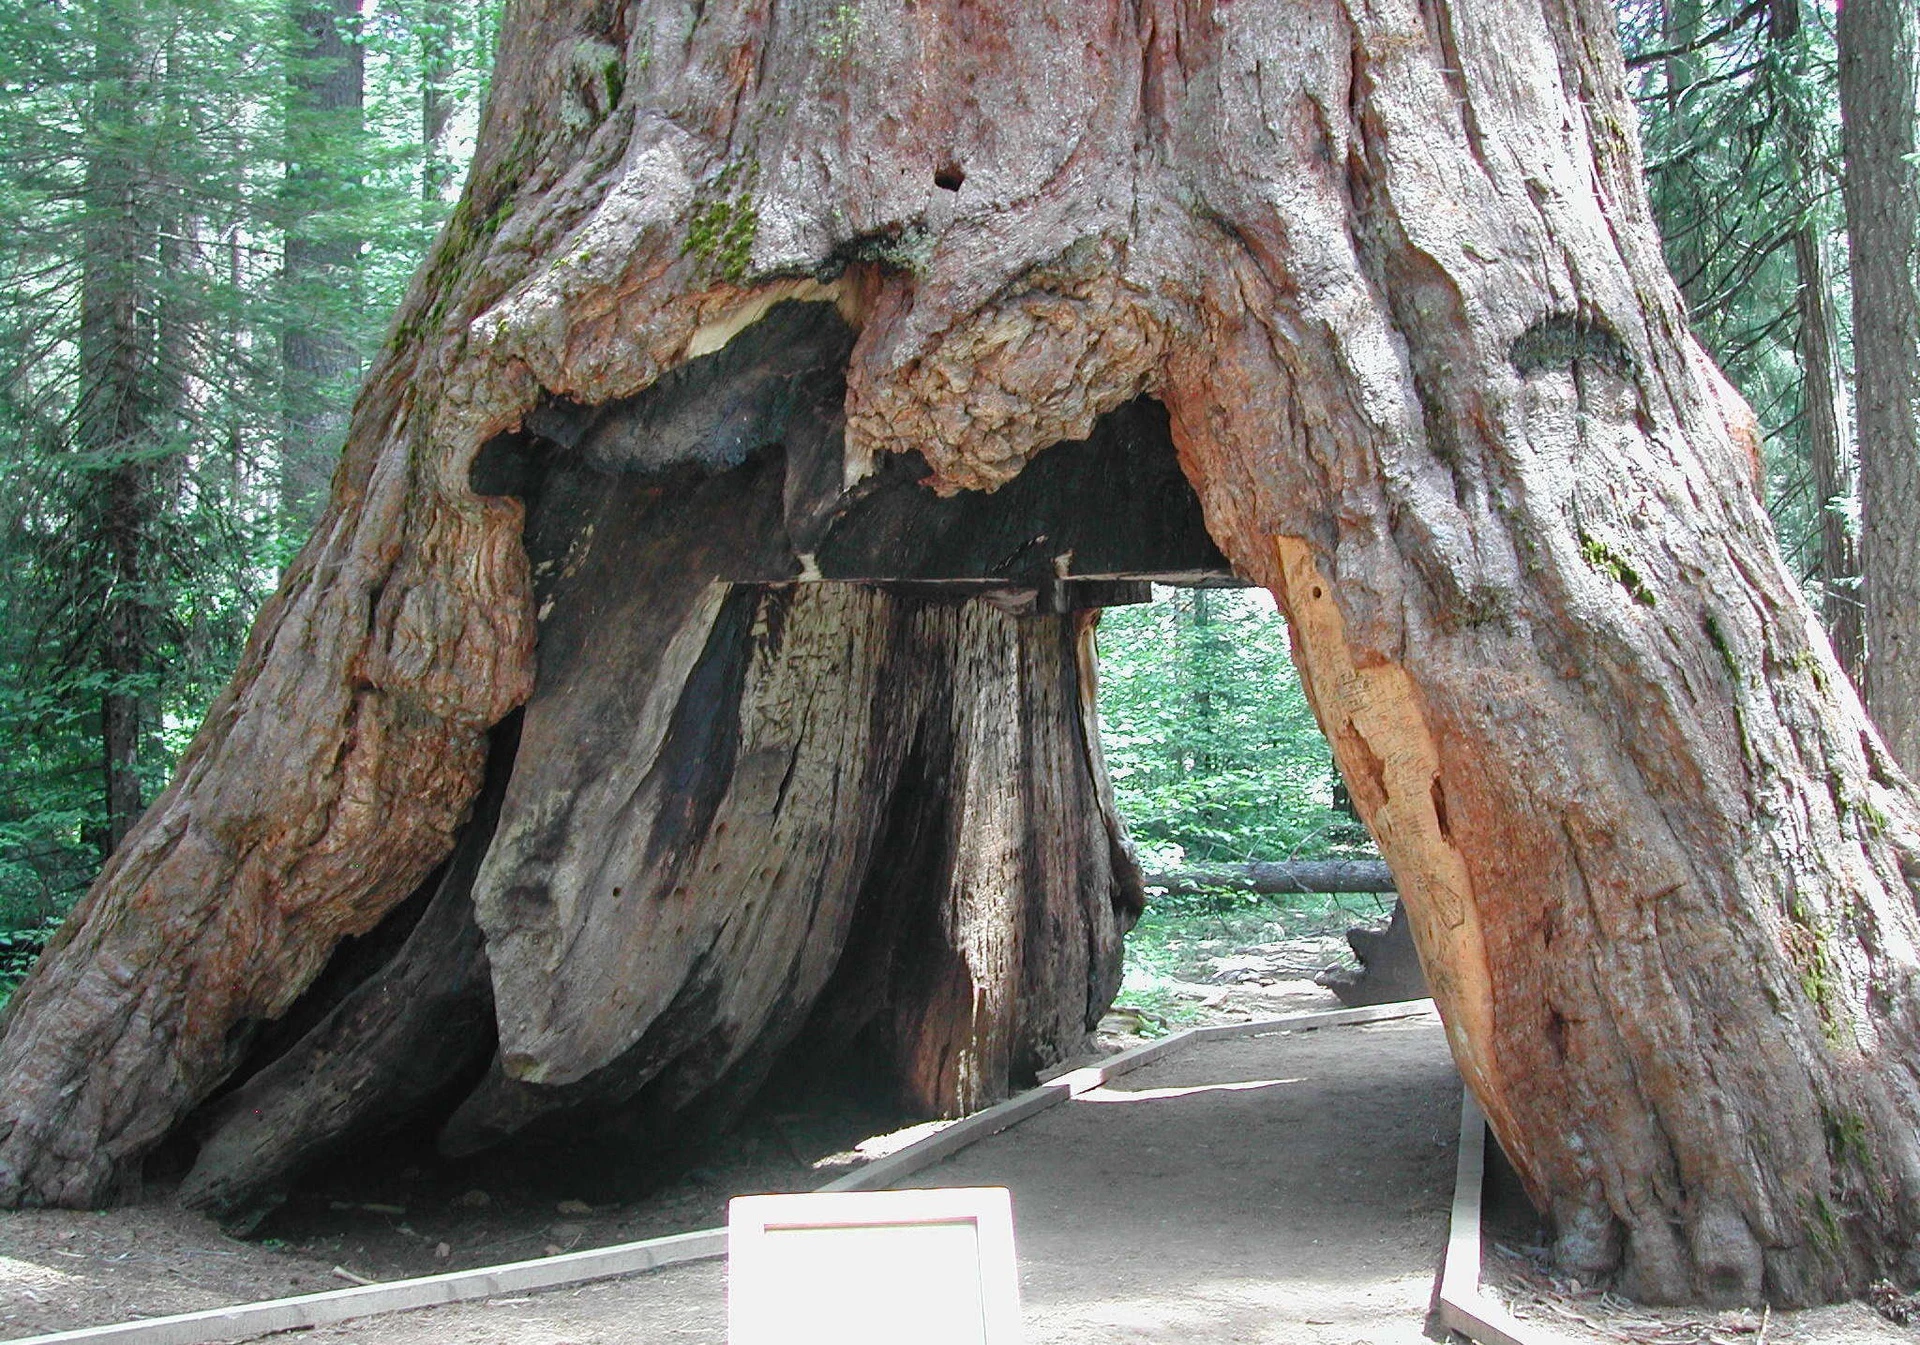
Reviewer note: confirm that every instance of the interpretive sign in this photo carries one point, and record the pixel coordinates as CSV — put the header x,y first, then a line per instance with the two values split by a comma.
x,y
873,1268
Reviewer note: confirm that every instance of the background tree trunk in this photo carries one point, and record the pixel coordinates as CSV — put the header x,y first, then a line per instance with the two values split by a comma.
x,y
1825,407
1823,395
326,92
118,411
436,22
1880,109
1391,274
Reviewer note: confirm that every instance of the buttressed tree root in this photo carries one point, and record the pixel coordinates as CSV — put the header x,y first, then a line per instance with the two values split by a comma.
x,y
680,443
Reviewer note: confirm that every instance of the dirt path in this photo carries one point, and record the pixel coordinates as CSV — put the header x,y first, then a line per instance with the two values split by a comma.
x,y
1283,1188
1287,1187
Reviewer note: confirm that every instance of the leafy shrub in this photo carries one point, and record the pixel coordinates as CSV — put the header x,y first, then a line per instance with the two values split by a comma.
x,y
19,950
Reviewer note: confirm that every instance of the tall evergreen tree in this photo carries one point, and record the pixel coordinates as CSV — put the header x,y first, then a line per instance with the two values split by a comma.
x,y
1740,126
325,119
1880,99
1800,97
145,312
122,405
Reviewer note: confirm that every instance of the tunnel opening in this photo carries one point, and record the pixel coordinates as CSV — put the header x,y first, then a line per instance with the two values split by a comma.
x,y
810,785
1262,882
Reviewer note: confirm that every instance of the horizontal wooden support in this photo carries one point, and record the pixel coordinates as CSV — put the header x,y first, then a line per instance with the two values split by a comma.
x,y
949,1140
1294,875
1309,1022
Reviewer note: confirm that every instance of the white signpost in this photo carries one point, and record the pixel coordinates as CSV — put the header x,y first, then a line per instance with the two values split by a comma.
x,y
929,1267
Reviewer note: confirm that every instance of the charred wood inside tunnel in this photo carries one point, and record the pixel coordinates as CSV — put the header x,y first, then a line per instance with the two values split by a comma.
x,y
810,765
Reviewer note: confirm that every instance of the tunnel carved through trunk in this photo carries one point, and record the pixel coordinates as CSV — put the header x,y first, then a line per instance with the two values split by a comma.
x,y
737,807
1388,275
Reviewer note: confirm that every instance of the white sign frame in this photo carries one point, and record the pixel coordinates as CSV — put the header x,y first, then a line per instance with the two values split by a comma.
x,y
761,1288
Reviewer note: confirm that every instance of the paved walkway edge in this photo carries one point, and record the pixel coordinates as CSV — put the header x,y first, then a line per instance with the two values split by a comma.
x,y
552,1272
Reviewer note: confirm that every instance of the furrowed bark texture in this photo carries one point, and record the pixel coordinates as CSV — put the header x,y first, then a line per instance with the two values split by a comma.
x,y
1389,270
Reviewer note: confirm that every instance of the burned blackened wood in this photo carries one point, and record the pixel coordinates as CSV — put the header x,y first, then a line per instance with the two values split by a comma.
x,y
1114,505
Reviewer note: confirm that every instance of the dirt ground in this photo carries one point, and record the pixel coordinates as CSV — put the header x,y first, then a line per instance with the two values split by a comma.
x,y
1286,1187
1565,1310
1223,1194
389,1220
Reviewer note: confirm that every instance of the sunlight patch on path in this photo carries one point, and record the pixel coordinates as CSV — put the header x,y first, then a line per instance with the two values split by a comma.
x,y
1162,1094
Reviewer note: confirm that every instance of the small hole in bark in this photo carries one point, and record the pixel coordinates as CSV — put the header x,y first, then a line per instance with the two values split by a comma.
x,y
949,178
1316,592
1557,1033
616,891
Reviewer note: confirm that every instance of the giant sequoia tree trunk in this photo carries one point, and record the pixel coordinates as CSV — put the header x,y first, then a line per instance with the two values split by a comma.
x,y
647,453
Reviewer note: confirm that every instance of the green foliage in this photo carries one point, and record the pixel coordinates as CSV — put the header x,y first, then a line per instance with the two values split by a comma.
x,y
1208,736
19,950
1741,126
151,166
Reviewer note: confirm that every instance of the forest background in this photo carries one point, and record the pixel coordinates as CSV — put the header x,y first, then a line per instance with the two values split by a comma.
x,y
209,209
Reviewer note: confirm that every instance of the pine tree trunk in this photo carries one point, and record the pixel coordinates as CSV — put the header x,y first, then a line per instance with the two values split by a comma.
x,y
1880,107
1824,402
1390,274
435,24
1823,395
326,93
116,412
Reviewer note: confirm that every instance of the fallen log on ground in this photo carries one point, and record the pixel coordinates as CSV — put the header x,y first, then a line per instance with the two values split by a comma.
x,y
1295,875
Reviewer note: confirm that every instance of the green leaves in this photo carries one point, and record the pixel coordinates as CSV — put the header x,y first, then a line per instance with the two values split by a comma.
x,y
1211,744
152,164
19,950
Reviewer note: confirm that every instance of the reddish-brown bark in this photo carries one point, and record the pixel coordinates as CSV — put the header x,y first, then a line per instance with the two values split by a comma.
x,y
1390,270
